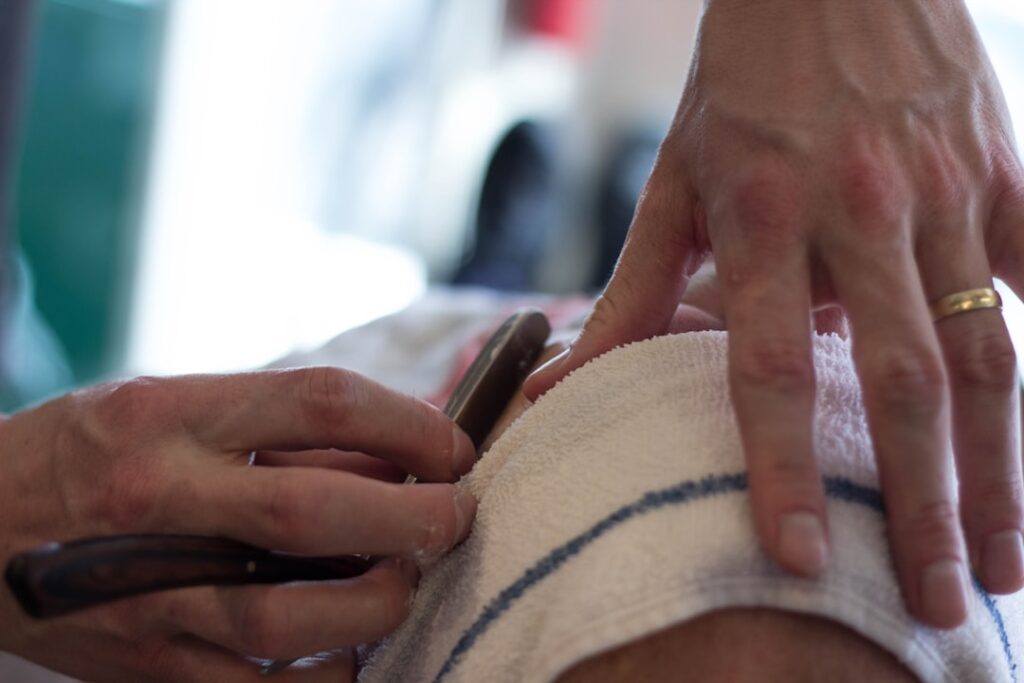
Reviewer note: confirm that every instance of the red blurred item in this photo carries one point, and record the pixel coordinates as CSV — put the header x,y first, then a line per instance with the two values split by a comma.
x,y
567,21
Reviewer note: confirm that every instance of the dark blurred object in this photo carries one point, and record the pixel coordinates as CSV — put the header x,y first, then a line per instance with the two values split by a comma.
x,y
630,164
16,17
80,174
520,209
517,214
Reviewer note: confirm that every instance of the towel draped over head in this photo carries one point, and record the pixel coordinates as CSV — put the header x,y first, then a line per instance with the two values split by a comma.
x,y
617,506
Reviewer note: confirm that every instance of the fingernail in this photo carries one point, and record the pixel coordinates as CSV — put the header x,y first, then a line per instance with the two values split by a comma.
x,y
465,511
464,452
944,593
548,368
802,546
1003,562
552,363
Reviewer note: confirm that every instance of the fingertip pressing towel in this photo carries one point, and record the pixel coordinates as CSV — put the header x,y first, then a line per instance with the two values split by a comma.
x,y
616,507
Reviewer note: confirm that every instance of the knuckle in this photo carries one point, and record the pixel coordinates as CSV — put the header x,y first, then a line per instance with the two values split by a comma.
x,y
1011,186
869,192
611,309
286,509
330,395
932,526
995,503
1004,247
262,630
768,203
988,364
783,367
1004,164
906,383
656,237
607,308
112,483
139,403
792,472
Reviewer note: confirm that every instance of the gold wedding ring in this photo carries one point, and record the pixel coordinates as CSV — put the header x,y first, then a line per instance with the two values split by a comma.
x,y
967,300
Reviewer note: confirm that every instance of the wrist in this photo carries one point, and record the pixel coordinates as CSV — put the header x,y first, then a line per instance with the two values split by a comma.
x,y
809,55
836,18
805,6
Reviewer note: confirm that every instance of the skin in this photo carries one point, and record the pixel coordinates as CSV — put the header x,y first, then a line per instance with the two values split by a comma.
x,y
304,461
857,153
777,647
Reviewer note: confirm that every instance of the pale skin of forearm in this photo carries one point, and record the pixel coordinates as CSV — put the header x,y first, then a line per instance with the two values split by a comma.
x,y
918,45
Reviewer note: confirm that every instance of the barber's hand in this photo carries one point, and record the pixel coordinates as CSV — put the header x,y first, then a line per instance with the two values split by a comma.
x,y
176,456
858,152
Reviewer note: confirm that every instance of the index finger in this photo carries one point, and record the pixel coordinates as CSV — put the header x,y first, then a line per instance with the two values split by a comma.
x,y
765,279
323,407
326,512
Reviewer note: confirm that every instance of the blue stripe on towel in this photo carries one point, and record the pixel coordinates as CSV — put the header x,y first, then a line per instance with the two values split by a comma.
x,y
993,609
838,488
844,489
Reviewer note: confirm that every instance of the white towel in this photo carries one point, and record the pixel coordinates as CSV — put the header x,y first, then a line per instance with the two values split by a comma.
x,y
616,507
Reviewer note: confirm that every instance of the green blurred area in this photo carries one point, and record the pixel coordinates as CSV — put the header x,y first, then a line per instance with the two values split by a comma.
x,y
80,173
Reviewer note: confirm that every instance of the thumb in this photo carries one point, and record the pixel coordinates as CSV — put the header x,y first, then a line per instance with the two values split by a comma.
x,y
660,253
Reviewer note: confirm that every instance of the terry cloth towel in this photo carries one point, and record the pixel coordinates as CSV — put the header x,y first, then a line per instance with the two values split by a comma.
x,y
616,507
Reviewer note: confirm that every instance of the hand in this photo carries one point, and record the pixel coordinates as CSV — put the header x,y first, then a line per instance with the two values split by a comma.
x,y
857,152
177,456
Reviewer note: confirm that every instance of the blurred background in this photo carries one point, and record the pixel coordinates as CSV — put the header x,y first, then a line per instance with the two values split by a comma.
x,y
206,185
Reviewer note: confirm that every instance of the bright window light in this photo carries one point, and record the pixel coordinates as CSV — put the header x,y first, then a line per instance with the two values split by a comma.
x,y
236,267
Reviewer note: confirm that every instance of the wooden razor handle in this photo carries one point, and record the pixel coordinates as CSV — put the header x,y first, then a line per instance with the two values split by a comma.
x,y
62,578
